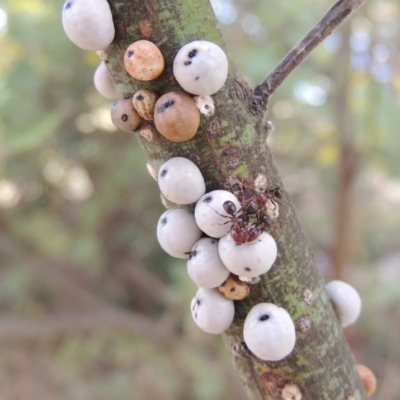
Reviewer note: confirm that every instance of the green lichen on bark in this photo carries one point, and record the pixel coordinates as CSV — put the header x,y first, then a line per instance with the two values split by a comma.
x,y
229,144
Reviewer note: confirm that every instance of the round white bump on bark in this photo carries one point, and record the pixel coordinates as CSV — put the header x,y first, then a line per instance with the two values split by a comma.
x,y
88,23
250,281
212,311
269,332
210,214
103,83
291,392
205,266
201,67
249,259
177,232
345,300
205,105
180,181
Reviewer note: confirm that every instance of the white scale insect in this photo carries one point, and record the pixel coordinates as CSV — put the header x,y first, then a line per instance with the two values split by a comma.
x,y
88,23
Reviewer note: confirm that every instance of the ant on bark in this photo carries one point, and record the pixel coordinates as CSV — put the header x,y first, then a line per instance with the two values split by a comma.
x,y
255,215
241,230
258,204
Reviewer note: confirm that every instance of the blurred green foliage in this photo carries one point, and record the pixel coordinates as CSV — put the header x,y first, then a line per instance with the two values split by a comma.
x,y
78,209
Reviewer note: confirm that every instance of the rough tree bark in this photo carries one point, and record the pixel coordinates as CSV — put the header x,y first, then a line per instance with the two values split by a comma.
x,y
233,144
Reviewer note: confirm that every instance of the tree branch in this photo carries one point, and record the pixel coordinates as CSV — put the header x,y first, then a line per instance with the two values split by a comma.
x,y
332,19
231,145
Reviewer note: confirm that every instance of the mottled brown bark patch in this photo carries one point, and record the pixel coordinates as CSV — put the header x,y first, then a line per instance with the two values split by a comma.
x,y
231,157
213,129
148,132
308,297
196,158
273,384
240,90
120,28
146,28
304,324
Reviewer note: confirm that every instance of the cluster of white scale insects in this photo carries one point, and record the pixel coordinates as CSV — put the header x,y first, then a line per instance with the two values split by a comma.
x,y
223,252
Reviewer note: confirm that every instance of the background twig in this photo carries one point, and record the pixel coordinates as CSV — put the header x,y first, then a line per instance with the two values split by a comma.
x,y
333,18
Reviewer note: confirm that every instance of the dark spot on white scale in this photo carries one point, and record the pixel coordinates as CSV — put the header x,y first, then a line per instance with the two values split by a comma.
x,y
164,221
69,5
197,78
247,269
130,53
165,106
164,172
187,63
192,53
208,199
198,302
263,317
194,253
124,117
139,97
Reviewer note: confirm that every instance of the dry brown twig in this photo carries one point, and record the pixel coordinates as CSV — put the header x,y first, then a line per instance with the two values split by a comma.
x,y
331,20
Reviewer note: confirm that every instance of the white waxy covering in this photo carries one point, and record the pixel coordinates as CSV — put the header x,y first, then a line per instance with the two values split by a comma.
x,y
180,181
205,104
212,311
88,23
249,259
201,67
205,266
345,300
269,332
177,232
210,214
103,82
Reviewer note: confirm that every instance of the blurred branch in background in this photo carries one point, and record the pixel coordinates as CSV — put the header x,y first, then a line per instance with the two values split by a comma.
x,y
332,19
43,328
